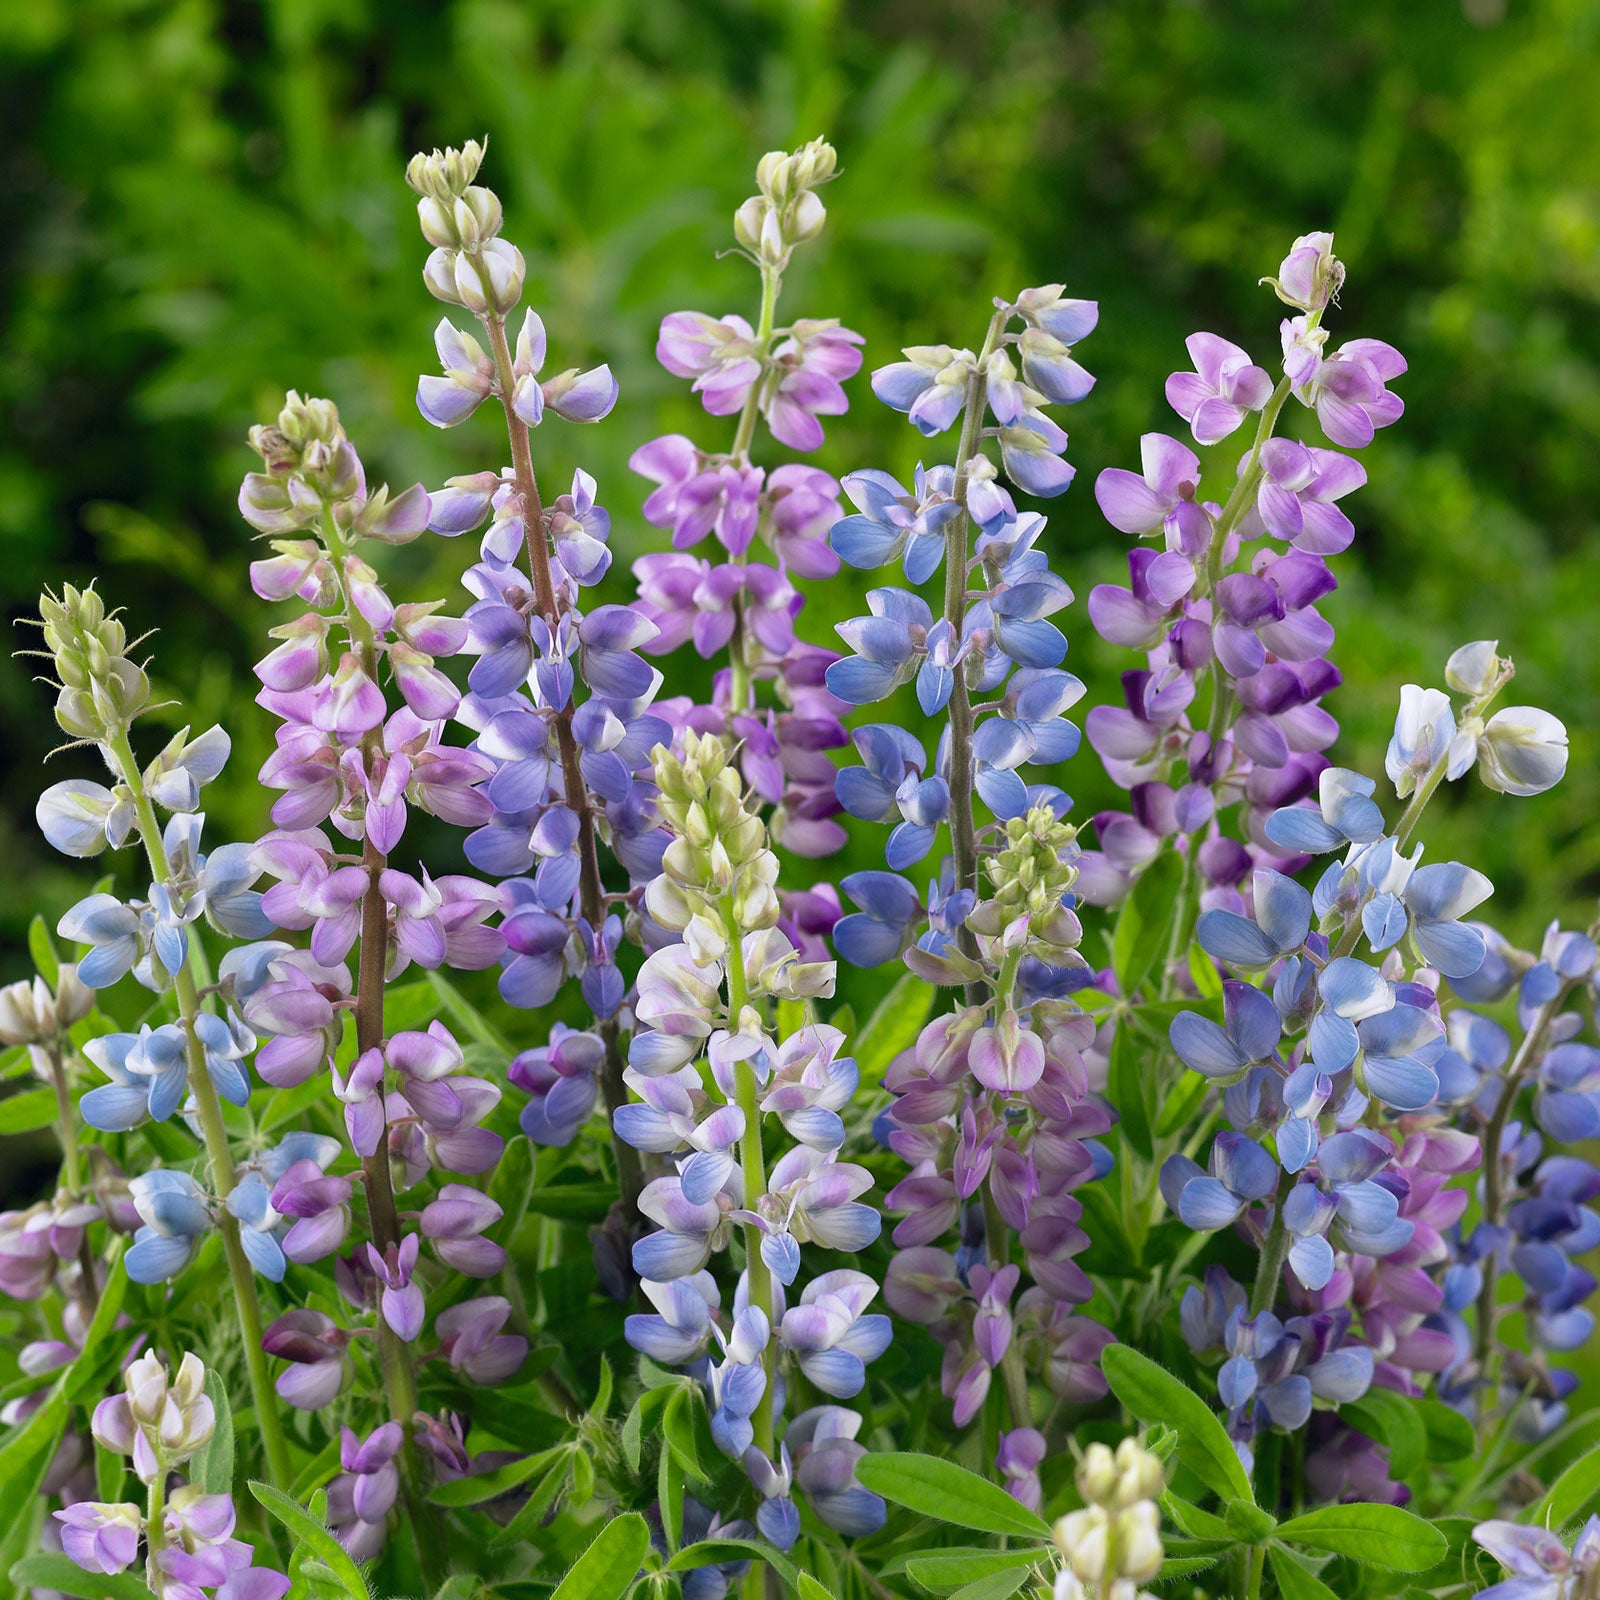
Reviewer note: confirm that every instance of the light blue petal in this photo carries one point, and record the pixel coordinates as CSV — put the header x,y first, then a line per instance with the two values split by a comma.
x,y
1311,1261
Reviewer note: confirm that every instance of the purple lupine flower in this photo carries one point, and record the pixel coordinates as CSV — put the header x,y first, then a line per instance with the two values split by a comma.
x,y
402,1303
471,1340
1223,388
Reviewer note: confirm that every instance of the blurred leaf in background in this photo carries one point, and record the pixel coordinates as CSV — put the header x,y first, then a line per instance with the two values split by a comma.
x,y
203,206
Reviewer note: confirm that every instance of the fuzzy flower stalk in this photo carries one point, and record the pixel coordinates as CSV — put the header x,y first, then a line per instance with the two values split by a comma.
x,y
1113,1545
195,1062
993,1109
558,697
710,1077
767,526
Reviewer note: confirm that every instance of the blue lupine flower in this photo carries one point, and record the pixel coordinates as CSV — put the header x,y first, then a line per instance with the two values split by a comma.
x,y
1249,1034
1349,992
176,1214
1305,1092
1241,1173
891,522
218,883
1398,1050
1344,1201
1567,1106
116,931
676,1332
880,929
891,782
1280,925
1346,814
887,645
1437,897
149,1070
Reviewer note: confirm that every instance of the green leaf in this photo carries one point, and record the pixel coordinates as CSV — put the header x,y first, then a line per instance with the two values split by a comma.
x,y
1392,1420
948,1493
86,1374
1144,923
945,1571
482,1486
810,1589
677,1428
62,1573
995,1587
1192,1520
1181,1103
606,1570
531,1514
1450,1435
1385,1536
26,1457
42,950
714,1552
312,1537
633,1433
895,1022
466,1018
573,1202
1130,1079
289,1105
1294,1582
1185,1566
1568,1497
1203,973
28,1111
1152,1394
1248,1523
212,1466
602,1399
669,1496
511,1186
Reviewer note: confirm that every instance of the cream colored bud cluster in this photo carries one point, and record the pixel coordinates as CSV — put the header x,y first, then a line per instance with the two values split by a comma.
x,y
471,264
718,870
101,691
1030,873
160,1421
788,210
30,1013
1113,1544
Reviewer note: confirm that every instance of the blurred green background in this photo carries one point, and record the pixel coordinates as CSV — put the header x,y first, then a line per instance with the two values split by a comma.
x,y
203,205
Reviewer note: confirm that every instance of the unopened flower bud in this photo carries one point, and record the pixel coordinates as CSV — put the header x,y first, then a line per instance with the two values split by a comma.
x,y
1310,275
1097,1475
444,174
1138,1541
1140,1475
1473,668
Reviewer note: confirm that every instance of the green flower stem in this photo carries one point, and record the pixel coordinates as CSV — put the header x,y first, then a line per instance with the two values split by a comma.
x,y
155,1532
752,1161
394,1354
963,829
1274,1252
738,661
591,886
215,1134
71,1169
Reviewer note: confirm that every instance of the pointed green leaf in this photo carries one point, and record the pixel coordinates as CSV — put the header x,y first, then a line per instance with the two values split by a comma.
x,y
531,1514
606,1570
42,950
1384,1536
312,1536
942,1490
895,1022
997,1586
945,1571
1569,1496
67,1577
1130,1076
28,1111
1152,1394
714,1552
1145,922
212,1466
1450,1435
1294,1581
483,1486
1393,1420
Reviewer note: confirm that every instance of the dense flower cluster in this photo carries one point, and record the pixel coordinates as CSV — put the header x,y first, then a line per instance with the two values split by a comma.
x,y
1320,1145
708,999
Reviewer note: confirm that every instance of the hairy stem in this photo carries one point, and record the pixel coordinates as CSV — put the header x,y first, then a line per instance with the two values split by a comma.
x,y
591,886
219,1156
1269,1271
753,1164
963,828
